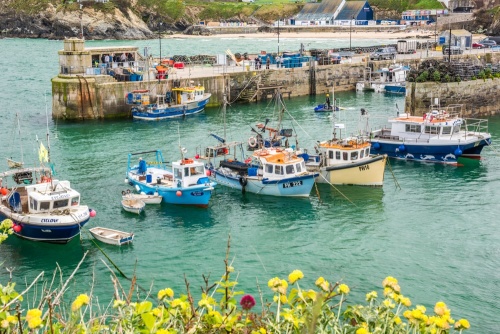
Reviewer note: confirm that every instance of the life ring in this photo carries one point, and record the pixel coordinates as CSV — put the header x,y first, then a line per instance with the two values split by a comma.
x,y
243,181
252,142
45,179
247,161
128,191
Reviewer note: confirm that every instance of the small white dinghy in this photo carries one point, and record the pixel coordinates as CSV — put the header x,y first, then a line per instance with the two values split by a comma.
x,y
112,237
147,199
133,205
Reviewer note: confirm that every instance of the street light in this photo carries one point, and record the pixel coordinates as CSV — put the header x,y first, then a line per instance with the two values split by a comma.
x,y
350,32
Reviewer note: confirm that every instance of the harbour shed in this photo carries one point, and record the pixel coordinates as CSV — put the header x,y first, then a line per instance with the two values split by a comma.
x,y
334,12
459,37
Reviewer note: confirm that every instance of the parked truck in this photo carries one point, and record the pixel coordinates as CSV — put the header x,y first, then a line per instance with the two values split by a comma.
x,y
407,46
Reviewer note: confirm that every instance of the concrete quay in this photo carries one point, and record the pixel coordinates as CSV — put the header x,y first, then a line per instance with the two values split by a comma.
x,y
84,93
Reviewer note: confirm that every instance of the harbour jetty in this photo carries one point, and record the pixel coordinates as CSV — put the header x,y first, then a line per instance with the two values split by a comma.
x,y
93,82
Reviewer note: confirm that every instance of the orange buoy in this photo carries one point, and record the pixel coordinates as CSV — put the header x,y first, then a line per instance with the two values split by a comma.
x,y
178,193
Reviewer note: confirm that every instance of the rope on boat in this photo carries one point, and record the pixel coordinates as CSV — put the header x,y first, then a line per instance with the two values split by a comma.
x,y
393,176
338,190
317,191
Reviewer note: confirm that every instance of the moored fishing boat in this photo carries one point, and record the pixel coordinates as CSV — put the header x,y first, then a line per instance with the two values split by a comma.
x,y
110,236
177,102
186,183
41,208
441,135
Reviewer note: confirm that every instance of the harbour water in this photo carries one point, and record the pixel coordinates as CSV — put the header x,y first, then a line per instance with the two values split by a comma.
x,y
437,234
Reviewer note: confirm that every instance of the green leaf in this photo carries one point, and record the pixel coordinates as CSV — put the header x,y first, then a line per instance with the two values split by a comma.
x,y
149,320
143,307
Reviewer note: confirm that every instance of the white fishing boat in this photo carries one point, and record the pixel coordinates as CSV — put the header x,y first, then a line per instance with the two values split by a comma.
x,y
112,237
133,205
147,199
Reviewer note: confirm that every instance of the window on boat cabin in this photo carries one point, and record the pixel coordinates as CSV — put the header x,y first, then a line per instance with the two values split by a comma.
x,y
413,128
299,169
446,130
60,204
456,128
269,168
178,173
354,155
33,204
367,151
362,154
278,170
196,170
345,156
337,155
186,171
289,169
75,201
44,205
433,130
330,154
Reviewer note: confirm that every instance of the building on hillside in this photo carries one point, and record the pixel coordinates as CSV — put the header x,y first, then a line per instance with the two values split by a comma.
x,y
334,12
459,37
417,17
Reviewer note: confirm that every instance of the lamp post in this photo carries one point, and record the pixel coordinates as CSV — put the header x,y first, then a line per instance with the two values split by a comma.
x,y
159,38
350,32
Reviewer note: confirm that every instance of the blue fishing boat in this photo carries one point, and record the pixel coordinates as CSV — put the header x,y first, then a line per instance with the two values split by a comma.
x,y
40,207
440,136
186,183
177,102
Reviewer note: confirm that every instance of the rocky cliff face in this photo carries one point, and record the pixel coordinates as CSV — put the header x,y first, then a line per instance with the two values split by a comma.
x,y
59,24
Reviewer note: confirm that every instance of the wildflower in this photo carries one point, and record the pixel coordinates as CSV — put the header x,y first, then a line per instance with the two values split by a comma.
x,y
311,294
421,308
35,322
118,303
33,313
81,300
274,283
389,281
441,323
165,293
6,224
230,269
371,296
4,324
205,301
323,284
12,319
440,308
343,289
397,320
405,301
281,298
362,330
247,302
462,324
295,276
389,304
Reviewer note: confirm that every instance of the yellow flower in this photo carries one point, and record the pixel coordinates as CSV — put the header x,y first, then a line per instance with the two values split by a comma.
x,y
282,288
371,296
176,303
295,276
165,293
343,289
440,308
311,294
33,313
118,303
362,330
389,281
81,300
274,283
407,314
230,269
34,322
397,320
441,323
323,284
405,301
4,324
421,308
7,223
12,319
389,304
462,324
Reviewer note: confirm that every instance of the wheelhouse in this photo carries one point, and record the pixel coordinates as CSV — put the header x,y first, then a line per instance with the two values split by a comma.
x,y
45,197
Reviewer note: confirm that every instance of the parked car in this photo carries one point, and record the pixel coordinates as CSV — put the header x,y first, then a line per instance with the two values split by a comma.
x,y
478,46
384,53
488,43
455,50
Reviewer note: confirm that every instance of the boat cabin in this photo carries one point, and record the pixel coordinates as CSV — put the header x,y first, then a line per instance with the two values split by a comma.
x,y
44,197
181,95
436,122
188,172
344,151
281,165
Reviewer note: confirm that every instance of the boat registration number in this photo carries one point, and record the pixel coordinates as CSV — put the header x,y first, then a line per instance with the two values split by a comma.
x,y
197,193
292,184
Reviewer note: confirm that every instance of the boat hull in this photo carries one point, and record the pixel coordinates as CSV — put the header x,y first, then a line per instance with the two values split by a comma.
x,y
197,195
47,228
430,152
170,112
395,89
111,237
369,172
292,187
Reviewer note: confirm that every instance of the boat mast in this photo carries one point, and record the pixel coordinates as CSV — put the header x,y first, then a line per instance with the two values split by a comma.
x,y
20,139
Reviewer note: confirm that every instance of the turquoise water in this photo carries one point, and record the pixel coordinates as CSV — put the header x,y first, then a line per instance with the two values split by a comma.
x,y
437,234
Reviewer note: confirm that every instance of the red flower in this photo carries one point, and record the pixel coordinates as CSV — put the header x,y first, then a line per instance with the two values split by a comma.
x,y
247,302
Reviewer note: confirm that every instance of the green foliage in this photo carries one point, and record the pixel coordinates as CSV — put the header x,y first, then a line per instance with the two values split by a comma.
x,y
5,229
30,7
447,78
220,11
423,77
436,76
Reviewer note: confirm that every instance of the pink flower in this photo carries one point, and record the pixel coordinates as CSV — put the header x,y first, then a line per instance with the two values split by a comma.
x,y
247,302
